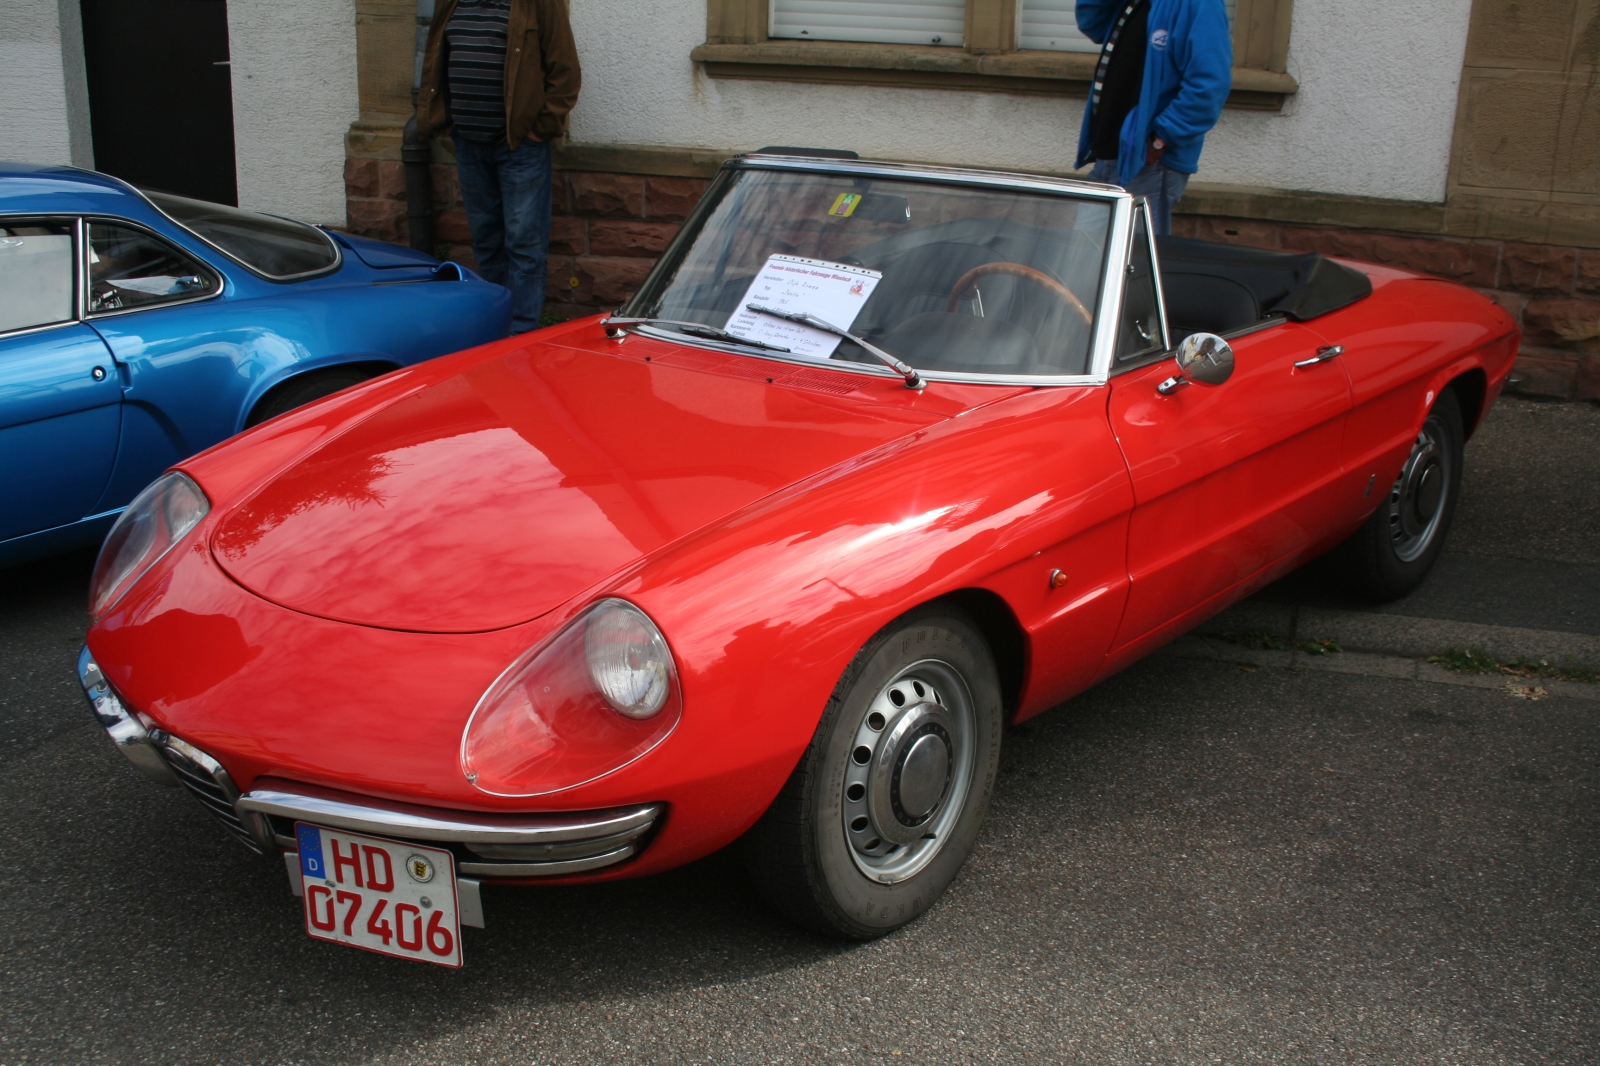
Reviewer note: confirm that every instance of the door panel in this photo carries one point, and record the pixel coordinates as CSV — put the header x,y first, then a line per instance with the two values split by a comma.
x,y
1228,480
58,427
172,340
184,383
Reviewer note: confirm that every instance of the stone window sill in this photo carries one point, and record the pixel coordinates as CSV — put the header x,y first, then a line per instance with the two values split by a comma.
x,y
931,67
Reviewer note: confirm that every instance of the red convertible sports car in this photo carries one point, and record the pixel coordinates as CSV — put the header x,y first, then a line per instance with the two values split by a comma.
x,y
879,458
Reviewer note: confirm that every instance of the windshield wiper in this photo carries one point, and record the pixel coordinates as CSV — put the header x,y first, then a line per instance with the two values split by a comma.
x,y
913,379
694,329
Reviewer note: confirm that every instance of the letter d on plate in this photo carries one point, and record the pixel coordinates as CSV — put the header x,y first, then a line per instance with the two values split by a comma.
x,y
309,837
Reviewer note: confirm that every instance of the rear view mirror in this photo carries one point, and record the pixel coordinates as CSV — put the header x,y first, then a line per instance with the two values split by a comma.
x,y
1203,359
884,207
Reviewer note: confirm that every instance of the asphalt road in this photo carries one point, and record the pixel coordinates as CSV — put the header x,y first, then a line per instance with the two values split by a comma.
x,y
1192,863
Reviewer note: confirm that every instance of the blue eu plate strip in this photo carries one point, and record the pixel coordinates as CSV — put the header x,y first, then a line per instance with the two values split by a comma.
x,y
309,837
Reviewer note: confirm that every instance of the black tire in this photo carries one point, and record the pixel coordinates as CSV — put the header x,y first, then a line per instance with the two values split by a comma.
x,y
302,390
807,855
1391,554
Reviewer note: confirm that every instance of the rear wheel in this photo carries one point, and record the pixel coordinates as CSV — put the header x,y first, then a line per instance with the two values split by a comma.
x,y
884,807
1390,555
307,387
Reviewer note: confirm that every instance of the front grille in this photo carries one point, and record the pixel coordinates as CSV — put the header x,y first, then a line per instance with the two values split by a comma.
x,y
208,782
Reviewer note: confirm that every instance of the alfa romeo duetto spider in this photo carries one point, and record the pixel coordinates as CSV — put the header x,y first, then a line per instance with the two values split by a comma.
x,y
878,459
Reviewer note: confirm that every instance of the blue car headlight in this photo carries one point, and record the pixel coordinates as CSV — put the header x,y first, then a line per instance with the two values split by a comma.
x,y
156,520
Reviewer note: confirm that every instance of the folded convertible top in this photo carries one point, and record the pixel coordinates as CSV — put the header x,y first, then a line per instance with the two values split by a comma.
x,y
1298,285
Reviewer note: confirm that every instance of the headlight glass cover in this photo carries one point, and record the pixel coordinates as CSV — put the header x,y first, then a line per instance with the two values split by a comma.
x,y
150,526
591,699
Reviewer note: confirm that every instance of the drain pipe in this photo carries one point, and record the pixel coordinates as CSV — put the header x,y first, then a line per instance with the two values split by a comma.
x,y
415,153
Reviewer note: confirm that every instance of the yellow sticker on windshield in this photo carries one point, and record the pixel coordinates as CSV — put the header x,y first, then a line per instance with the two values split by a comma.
x,y
845,205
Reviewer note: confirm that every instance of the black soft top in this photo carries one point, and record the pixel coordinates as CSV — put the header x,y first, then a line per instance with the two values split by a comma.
x,y
1297,285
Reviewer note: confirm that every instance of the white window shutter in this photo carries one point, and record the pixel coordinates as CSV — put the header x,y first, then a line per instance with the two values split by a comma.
x,y
940,22
1052,25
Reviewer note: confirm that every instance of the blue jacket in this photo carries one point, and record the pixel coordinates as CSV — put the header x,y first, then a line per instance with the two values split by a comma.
x,y
1188,70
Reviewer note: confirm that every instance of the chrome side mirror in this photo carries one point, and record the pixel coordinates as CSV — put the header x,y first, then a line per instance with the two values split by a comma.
x,y
1203,359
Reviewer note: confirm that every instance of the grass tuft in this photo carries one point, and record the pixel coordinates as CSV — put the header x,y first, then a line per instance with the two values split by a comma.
x,y
1473,661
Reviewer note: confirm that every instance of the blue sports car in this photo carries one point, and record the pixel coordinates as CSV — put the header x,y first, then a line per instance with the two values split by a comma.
x,y
137,328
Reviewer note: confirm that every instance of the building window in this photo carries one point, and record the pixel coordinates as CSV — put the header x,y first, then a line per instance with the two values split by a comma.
x,y
935,22
1016,46
1052,26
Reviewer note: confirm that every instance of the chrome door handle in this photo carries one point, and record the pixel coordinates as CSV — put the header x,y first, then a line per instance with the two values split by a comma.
x,y
1326,352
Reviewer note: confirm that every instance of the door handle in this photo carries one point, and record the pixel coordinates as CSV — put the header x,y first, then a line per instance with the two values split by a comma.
x,y
1326,352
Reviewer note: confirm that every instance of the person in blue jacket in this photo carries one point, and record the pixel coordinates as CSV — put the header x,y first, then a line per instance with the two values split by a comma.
x,y
1165,70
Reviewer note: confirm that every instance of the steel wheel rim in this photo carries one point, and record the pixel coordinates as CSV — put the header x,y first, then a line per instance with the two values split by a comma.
x,y
1418,500
892,823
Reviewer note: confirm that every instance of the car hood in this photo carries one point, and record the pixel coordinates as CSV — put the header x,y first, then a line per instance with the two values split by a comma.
x,y
498,492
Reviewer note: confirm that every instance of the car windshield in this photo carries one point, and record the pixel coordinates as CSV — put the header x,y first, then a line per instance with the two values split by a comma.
x,y
278,248
948,278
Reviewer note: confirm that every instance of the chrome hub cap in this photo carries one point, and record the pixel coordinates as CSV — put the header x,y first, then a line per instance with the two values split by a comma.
x,y
1416,502
909,771
920,781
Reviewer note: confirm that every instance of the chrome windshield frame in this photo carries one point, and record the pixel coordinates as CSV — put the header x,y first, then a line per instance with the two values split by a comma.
x,y
1114,266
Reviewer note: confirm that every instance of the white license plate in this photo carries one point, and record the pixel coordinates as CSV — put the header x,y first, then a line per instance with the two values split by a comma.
x,y
381,895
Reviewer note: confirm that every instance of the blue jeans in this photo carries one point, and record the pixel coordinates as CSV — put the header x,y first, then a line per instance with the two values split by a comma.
x,y
1162,187
506,192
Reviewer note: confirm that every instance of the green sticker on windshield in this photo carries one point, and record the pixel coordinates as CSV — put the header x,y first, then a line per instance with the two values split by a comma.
x,y
845,205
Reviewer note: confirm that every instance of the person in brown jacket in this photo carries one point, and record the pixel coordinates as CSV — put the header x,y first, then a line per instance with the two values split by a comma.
x,y
502,76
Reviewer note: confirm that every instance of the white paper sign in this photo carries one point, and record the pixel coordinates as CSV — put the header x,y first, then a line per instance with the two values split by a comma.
x,y
833,292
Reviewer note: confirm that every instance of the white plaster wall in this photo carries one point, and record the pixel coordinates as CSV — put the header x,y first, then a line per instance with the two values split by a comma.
x,y
294,97
1376,108
41,81
1373,117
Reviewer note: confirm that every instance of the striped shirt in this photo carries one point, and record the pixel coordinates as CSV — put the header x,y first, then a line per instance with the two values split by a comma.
x,y
476,37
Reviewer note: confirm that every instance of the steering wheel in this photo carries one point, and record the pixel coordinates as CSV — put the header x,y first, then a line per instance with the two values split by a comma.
x,y
1016,270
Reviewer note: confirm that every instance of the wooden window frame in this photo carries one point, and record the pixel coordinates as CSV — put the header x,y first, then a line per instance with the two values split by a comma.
x,y
737,46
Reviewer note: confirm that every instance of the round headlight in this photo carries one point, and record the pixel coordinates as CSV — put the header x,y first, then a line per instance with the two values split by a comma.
x,y
628,659
147,529
588,700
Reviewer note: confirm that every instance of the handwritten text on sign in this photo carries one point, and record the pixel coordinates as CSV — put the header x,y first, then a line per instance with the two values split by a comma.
x,y
832,292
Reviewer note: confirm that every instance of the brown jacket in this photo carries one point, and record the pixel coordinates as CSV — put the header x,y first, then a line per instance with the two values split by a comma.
x,y
542,75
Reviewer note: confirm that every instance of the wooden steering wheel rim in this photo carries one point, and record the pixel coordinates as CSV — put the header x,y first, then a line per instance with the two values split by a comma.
x,y
1027,273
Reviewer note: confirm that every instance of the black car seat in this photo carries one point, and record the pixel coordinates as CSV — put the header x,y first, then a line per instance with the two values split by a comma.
x,y
1206,303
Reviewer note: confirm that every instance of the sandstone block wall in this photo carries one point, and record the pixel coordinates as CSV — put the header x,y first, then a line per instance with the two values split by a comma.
x,y
608,229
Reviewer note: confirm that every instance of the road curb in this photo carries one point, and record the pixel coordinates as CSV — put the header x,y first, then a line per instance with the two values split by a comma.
x,y
1402,635
1368,664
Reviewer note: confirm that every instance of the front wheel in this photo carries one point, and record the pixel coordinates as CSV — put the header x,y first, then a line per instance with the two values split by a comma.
x,y
1390,555
884,806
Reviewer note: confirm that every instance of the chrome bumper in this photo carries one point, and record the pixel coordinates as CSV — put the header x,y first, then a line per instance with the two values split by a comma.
x,y
125,729
526,845
486,845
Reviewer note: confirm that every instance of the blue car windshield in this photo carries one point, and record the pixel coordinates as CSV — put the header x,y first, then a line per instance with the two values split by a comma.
x,y
277,248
